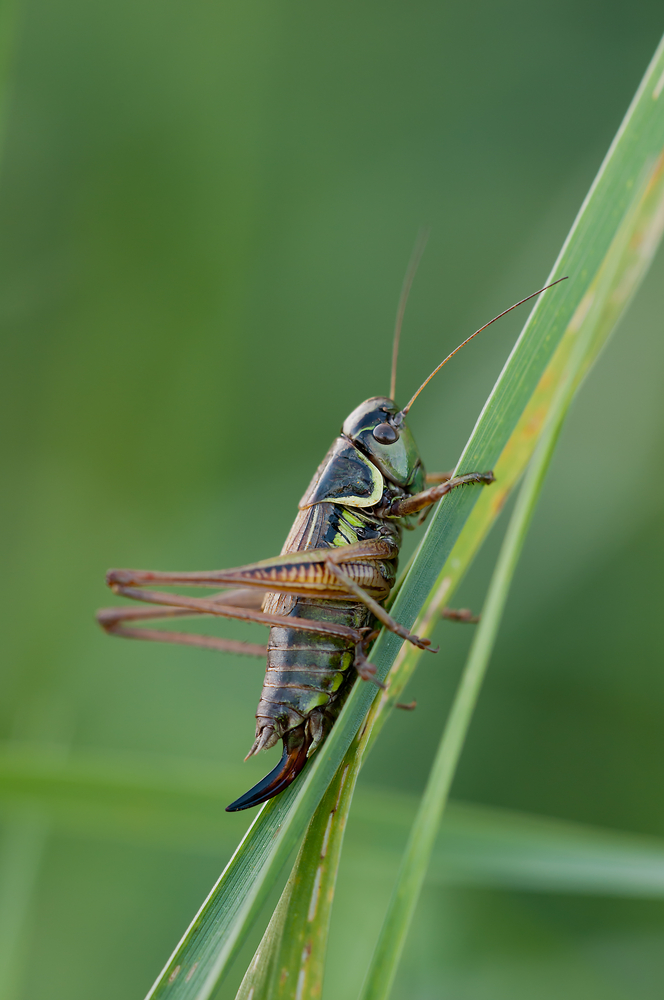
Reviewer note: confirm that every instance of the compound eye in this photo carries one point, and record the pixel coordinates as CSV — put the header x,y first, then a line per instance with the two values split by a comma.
x,y
385,434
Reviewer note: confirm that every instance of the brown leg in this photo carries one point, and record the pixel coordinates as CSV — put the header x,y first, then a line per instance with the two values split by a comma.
x,y
410,505
376,609
434,478
365,669
211,607
293,573
111,620
460,615
192,639
243,597
306,573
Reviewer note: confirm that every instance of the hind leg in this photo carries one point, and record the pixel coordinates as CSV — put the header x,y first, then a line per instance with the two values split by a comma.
x,y
112,621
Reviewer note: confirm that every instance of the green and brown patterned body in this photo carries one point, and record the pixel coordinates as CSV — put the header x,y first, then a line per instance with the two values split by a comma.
x,y
322,597
308,676
325,593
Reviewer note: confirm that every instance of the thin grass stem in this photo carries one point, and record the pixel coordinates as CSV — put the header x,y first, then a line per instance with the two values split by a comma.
x,y
425,828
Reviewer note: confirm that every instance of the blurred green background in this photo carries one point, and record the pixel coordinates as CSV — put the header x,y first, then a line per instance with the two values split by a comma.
x,y
206,211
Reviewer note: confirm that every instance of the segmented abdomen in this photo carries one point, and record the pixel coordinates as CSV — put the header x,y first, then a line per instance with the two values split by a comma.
x,y
308,674
306,670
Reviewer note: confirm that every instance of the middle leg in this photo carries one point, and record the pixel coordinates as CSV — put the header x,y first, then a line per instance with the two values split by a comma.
x,y
464,615
376,609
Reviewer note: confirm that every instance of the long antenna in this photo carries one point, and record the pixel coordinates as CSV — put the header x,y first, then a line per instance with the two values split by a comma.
x,y
415,258
436,370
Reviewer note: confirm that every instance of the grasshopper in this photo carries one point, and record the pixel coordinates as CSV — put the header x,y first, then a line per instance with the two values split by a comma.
x,y
323,596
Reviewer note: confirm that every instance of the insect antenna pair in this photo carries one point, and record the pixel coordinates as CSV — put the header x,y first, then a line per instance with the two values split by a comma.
x,y
411,271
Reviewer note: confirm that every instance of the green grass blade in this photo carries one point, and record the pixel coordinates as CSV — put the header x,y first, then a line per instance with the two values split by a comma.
x,y
607,293
24,837
179,803
616,280
490,847
290,959
216,933
173,802
625,199
485,846
618,228
425,828
611,288
9,16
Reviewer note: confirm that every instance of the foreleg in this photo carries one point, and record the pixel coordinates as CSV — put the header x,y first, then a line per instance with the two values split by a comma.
x,y
438,477
411,505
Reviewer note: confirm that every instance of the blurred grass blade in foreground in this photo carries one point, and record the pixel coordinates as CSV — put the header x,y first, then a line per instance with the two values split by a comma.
x,y
625,203
179,804
24,838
